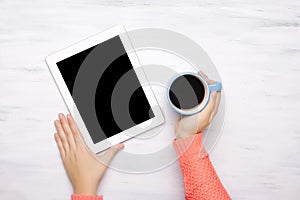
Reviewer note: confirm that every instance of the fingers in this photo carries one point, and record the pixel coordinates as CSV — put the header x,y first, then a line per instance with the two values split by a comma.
x,y
62,135
202,74
59,145
74,129
206,78
211,103
111,152
67,130
216,97
216,107
207,112
203,117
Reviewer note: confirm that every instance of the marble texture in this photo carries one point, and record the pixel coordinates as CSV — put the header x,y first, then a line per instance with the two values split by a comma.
x,y
254,44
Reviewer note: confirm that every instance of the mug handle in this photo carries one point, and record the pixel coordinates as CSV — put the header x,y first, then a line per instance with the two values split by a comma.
x,y
217,86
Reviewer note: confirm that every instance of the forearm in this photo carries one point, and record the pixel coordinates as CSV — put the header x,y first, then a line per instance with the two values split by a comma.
x,y
200,179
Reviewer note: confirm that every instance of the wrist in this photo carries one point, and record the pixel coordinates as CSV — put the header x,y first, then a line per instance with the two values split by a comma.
x,y
190,146
85,190
182,134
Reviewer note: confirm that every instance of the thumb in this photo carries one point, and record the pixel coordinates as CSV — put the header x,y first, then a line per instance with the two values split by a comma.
x,y
111,152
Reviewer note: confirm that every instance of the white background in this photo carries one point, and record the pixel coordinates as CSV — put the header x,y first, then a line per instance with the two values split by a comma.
x,y
255,45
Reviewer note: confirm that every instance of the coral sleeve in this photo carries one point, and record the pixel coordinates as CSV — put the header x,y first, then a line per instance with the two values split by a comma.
x,y
200,178
85,197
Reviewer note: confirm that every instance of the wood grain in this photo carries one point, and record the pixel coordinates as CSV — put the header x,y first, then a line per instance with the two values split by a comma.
x,y
255,46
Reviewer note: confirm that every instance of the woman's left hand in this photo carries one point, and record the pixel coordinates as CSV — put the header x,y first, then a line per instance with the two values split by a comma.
x,y
83,168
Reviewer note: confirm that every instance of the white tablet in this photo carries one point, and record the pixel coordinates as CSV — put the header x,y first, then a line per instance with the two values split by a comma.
x,y
105,89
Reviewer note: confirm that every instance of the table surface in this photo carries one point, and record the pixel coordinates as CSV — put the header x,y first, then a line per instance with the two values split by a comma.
x,y
254,45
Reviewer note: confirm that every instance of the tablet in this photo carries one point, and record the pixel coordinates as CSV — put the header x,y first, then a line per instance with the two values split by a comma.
x,y
105,89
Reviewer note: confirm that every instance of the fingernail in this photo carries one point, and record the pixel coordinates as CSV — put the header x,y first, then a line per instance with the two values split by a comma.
x,y
121,146
60,115
214,94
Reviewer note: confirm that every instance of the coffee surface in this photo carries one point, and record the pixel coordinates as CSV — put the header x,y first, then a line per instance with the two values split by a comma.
x,y
186,92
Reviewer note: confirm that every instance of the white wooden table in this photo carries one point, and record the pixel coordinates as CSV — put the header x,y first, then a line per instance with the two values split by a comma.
x,y
255,46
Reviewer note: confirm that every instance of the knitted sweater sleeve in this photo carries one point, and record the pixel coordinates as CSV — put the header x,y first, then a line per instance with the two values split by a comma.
x,y
85,197
200,179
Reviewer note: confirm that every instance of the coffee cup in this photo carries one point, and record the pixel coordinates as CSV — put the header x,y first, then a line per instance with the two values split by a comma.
x,y
188,93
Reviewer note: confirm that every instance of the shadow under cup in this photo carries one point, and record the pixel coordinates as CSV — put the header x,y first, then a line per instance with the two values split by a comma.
x,y
189,93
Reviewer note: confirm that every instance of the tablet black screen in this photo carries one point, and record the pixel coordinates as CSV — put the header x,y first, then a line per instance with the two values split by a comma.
x,y
105,89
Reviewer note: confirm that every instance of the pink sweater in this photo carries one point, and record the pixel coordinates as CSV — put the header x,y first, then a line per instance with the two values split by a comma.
x,y
200,179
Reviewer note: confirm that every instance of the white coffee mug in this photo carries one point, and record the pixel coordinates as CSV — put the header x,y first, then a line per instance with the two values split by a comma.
x,y
208,88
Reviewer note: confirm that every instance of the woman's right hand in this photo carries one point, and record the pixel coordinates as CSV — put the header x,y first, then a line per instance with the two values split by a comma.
x,y
190,125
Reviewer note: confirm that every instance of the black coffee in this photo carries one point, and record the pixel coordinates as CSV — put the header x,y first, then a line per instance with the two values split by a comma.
x,y
186,92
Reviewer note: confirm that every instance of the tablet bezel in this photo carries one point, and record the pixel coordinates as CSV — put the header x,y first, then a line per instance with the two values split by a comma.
x,y
52,61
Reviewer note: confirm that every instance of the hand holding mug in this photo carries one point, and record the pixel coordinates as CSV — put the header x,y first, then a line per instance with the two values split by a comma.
x,y
194,123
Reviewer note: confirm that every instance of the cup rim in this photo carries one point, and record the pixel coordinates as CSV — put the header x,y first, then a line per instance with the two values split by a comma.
x,y
197,108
